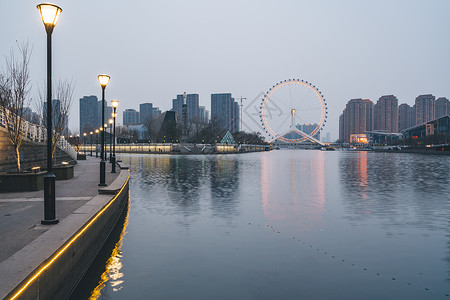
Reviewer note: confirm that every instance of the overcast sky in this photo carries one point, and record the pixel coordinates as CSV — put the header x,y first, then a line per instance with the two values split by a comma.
x,y
154,50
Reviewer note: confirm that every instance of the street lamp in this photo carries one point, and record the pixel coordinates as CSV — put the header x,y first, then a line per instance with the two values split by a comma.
x,y
50,15
115,104
104,80
110,121
105,126
84,141
96,142
91,141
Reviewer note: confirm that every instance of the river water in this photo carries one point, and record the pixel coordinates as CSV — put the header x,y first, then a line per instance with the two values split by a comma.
x,y
285,224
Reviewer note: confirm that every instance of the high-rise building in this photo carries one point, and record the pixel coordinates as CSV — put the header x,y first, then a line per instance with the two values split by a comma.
x,y
357,118
108,113
57,119
341,128
88,114
201,114
192,102
177,107
145,112
156,111
308,129
385,114
31,116
424,108
130,117
225,112
441,107
406,116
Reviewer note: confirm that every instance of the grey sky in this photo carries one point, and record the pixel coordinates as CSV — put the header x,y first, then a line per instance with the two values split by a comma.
x,y
154,50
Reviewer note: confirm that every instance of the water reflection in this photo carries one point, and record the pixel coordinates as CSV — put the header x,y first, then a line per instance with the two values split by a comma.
x,y
106,269
197,227
113,274
390,185
224,176
298,197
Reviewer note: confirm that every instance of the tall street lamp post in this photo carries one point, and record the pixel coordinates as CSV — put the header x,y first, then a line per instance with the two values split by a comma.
x,y
91,142
49,14
84,142
110,139
115,104
105,127
96,142
104,80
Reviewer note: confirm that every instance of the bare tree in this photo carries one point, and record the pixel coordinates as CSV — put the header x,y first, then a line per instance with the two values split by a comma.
x,y
14,96
60,110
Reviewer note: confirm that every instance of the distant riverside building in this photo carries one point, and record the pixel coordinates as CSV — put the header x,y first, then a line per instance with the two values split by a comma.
x,y
108,113
192,102
56,114
424,108
406,116
177,107
306,128
156,111
88,114
386,114
326,138
225,112
357,118
145,112
441,107
91,113
130,117
341,128
201,114
31,116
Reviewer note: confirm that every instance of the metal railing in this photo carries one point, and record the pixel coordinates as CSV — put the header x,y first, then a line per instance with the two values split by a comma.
x,y
38,133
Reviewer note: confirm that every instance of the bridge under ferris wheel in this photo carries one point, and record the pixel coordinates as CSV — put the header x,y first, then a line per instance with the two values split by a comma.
x,y
287,101
310,140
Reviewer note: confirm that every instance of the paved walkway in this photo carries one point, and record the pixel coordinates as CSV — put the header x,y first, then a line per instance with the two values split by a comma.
x,y
21,213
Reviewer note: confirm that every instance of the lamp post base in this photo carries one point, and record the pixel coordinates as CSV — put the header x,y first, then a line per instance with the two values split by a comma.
x,y
113,164
49,222
102,173
49,200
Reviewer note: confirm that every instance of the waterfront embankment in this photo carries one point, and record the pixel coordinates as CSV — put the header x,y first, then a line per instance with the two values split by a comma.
x,y
169,148
46,262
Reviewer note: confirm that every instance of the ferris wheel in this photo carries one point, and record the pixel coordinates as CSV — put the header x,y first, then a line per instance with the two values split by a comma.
x,y
293,111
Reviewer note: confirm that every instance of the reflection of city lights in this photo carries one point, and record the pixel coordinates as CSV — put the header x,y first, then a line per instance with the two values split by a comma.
x,y
291,200
113,265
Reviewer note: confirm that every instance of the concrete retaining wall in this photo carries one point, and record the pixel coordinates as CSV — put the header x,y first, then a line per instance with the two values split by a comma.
x,y
32,154
51,274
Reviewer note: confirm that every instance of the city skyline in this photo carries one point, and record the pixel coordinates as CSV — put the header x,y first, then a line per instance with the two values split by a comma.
x,y
320,44
361,116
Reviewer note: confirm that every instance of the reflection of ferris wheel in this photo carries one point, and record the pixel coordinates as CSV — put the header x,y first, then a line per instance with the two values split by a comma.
x,y
293,111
